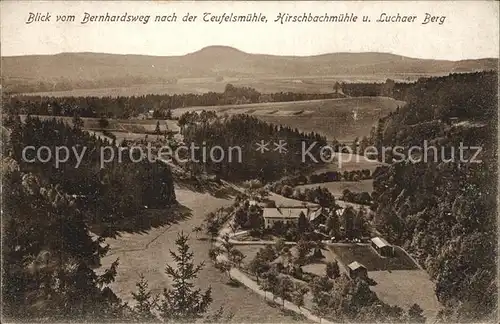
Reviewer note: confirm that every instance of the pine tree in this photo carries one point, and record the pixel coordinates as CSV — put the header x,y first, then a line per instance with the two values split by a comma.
x,y
302,225
77,121
157,129
183,302
332,269
146,302
416,314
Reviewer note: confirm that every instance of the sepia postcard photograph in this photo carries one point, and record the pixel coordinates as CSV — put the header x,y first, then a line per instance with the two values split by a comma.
x,y
249,161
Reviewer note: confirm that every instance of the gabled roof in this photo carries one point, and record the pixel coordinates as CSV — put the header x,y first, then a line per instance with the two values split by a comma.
x,y
355,265
283,212
380,242
320,211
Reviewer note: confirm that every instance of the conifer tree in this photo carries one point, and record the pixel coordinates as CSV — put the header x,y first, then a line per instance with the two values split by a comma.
x,y
183,302
157,129
146,302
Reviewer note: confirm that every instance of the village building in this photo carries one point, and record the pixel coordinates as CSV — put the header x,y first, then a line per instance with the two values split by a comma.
x,y
281,214
382,247
319,216
357,270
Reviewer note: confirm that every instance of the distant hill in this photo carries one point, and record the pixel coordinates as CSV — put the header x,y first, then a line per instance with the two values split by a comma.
x,y
67,71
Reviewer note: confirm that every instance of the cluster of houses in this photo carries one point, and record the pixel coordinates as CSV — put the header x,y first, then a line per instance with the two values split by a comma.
x,y
317,216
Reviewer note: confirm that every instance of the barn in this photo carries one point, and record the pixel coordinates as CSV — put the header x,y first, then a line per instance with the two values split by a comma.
x,y
357,270
382,247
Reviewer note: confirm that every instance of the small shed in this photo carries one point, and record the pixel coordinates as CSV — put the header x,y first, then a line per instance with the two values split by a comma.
x,y
357,270
382,247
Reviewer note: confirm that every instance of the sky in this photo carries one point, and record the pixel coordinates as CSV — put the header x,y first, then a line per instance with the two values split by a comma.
x,y
470,29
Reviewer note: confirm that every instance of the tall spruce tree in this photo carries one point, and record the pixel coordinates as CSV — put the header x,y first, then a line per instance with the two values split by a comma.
x,y
183,302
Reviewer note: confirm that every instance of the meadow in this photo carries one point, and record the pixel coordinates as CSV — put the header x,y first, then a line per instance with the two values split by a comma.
x,y
406,287
342,119
306,84
148,253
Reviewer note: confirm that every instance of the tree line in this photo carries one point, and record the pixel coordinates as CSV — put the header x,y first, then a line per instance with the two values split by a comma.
x,y
161,105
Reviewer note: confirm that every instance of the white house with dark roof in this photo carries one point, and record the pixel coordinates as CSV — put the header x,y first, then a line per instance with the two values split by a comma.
x,y
286,215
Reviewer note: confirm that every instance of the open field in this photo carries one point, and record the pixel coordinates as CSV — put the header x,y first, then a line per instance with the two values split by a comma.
x,y
366,255
320,107
129,129
282,201
343,119
404,288
148,253
336,187
309,84
196,85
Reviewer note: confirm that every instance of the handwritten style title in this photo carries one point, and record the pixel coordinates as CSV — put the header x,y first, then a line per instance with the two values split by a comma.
x,y
209,17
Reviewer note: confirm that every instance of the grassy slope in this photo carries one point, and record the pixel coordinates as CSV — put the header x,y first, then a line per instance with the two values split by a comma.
x,y
331,117
406,287
149,252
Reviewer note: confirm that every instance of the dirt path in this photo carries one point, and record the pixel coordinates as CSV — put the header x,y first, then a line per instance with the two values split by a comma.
x,y
148,253
241,277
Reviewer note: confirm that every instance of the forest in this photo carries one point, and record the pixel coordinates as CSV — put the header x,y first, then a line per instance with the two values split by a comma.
x,y
125,107
245,132
109,196
444,213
